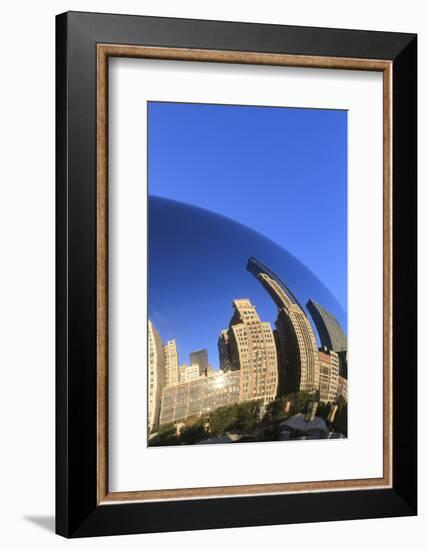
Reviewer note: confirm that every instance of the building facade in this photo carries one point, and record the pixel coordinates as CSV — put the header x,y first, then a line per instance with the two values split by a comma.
x,y
171,363
328,327
256,363
343,388
156,376
188,373
298,361
248,346
329,375
199,397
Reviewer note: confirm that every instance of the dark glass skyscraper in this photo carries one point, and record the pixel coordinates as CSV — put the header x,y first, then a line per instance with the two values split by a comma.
x,y
329,330
200,358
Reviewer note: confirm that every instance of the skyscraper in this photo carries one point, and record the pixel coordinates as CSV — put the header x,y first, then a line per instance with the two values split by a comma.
x,y
188,373
200,358
156,375
248,346
329,375
171,363
328,327
296,343
343,388
223,351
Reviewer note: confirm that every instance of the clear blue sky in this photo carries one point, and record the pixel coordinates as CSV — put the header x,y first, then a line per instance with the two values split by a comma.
x,y
280,172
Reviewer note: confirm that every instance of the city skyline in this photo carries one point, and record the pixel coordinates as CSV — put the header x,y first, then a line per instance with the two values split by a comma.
x,y
213,166
268,363
209,254
238,216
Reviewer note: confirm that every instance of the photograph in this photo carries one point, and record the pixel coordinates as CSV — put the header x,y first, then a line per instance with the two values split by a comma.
x,y
247,274
212,275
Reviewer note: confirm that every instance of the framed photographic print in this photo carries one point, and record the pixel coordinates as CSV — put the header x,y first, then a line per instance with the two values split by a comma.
x,y
236,274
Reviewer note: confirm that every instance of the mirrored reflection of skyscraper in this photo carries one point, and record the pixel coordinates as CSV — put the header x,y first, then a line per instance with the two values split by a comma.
x,y
248,346
188,373
329,330
298,360
223,351
156,374
171,363
329,375
332,338
200,358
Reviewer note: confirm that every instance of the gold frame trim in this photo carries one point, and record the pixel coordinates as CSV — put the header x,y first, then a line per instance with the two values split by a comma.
x,y
104,51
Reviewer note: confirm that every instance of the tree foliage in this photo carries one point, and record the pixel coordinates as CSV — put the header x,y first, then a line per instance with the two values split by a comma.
x,y
241,418
275,410
166,430
299,401
167,435
221,420
193,433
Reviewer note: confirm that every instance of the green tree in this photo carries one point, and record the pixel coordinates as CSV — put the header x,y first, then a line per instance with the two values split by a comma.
x,y
193,434
275,410
241,418
222,419
167,435
247,415
299,401
166,430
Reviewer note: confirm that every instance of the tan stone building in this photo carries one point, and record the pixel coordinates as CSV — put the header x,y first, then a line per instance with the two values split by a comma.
x,y
296,343
156,376
343,387
248,346
171,363
188,373
199,397
329,375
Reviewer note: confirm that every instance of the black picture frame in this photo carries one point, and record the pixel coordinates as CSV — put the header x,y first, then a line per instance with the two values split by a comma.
x,y
77,511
